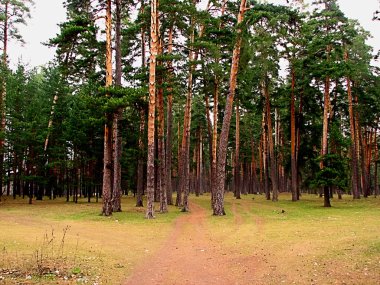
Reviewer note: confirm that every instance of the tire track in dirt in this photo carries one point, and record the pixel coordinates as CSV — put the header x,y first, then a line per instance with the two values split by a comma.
x,y
191,256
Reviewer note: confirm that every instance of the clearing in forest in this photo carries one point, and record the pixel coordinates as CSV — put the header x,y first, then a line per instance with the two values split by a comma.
x,y
258,242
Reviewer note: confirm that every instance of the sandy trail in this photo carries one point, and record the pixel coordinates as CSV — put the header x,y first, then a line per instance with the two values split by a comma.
x,y
191,256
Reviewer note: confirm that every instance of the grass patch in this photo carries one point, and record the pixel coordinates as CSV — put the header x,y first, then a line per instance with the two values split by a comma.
x,y
302,242
291,242
102,248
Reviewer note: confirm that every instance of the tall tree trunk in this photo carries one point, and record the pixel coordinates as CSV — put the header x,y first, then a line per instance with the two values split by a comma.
x,y
169,122
160,139
358,146
116,156
254,182
3,94
237,152
261,163
298,139
214,185
141,158
140,163
265,155
218,207
185,146
200,164
152,108
214,180
107,160
326,112
354,160
272,159
210,140
376,166
367,157
117,140
293,159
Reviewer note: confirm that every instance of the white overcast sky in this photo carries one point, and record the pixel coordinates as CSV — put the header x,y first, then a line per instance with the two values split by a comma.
x,y
46,14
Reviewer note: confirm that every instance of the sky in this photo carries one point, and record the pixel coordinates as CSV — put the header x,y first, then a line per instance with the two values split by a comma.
x,y
47,14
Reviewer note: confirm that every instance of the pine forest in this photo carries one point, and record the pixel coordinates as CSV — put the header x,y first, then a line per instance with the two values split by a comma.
x,y
187,106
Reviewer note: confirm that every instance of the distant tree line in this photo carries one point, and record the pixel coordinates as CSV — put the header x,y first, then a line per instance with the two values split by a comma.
x,y
152,98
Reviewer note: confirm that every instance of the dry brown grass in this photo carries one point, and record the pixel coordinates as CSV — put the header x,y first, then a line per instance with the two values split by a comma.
x,y
49,236
290,243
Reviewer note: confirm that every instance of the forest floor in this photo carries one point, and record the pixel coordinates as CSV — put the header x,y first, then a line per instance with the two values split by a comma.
x,y
257,242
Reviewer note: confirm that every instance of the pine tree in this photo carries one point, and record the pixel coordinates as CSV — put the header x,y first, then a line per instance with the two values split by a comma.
x,y
152,109
107,160
218,207
12,14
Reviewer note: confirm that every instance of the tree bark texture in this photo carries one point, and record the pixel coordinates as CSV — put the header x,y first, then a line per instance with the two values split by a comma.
x,y
161,141
152,108
169,122
117,116
265,155
218,207
271,157
354,160
116,155
107,160
324,149
185,145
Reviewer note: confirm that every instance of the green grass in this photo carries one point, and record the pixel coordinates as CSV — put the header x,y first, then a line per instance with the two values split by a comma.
x,y
338,242
302,239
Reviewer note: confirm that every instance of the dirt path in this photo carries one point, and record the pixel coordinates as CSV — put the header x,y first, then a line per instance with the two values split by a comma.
x,y
190,256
